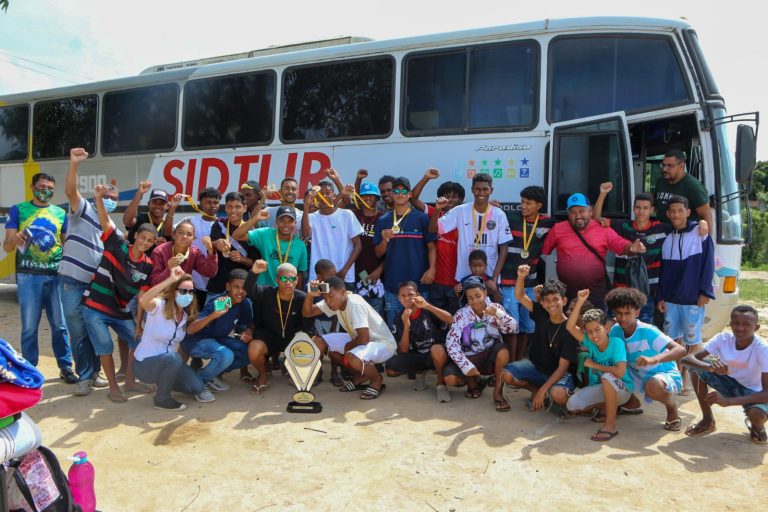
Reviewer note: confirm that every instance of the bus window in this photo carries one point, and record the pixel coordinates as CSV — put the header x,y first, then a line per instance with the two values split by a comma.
x,y
140,120
337,101
601,74
473,89
62,124
229,111
14,123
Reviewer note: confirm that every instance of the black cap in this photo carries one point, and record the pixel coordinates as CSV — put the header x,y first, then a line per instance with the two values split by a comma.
x,y
158,193
401,181
251,184
285,210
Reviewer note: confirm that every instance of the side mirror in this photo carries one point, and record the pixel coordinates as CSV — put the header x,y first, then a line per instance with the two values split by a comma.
x,y
746,153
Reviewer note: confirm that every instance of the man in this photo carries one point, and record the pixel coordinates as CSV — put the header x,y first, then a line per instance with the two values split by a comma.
x,y
369,266
385,189
277,245
254,198
735,365
35,230
335,232
80,258
156,208
529,230
289,189
676,182
403,239
481,226
366,342
685,282
582,245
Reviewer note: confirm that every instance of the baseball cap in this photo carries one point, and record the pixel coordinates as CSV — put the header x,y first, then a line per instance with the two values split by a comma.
x,y
158,193
577,199
401,181
251,184
473,282
369,189
285,210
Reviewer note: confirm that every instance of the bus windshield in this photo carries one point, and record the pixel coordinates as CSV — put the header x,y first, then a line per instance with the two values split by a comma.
x,y
730,228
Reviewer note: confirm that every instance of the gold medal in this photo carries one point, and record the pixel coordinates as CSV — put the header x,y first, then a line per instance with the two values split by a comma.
x,y
395,229
528,239
524,254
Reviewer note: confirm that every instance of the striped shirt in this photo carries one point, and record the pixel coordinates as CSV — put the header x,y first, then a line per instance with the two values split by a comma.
x,y
118,278
653,238
649,342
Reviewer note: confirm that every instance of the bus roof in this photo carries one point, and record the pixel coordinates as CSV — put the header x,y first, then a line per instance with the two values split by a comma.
x,y
357,47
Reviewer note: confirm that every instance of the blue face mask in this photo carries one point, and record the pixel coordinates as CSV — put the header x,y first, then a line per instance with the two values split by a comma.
x,y
110,205
184,300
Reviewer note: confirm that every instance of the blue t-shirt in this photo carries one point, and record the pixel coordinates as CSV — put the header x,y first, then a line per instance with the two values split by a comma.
x,y
239,317
646,341
614,353
406,258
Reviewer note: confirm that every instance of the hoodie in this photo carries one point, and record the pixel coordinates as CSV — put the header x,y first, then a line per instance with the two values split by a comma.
x,y
687,266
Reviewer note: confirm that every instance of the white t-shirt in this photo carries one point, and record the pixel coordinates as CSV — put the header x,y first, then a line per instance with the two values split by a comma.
x,y
202,228
469,223
746,366
332,239
161,335
272,222
359,314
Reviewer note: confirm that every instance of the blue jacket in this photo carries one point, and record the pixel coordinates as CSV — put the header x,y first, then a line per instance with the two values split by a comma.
x,y
687,266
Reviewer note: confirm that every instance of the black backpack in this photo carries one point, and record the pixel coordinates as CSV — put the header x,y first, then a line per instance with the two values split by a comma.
x,y
15,488
637,274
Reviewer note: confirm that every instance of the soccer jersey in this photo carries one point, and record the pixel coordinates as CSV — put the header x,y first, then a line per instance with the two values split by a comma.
x,y
406,258
367,260
332,239
43,226
218,283
446,248
423,331
652,236
646,341
536,232
292,251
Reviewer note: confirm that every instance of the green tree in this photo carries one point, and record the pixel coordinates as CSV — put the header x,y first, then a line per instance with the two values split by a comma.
x,y
760,182
4,5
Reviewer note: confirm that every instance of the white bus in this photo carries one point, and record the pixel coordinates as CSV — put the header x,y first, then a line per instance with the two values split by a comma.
x,y
566,104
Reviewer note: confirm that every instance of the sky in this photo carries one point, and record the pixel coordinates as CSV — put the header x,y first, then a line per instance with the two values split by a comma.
x,y
87,40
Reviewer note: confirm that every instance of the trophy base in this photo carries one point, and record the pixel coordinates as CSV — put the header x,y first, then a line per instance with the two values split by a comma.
x,y
310,408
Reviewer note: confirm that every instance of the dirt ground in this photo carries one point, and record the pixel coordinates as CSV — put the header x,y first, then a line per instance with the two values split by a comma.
x,y
403,451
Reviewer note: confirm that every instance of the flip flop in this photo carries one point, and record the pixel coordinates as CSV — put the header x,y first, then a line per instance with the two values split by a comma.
x,y
258,389
624,410
118,399
348,386
598,416
676,425
371,393
757,436
248,379
502,405
696,430
602,436
473,393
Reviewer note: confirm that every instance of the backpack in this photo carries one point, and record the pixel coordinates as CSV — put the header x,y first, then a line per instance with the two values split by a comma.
x,y
637,274
35,482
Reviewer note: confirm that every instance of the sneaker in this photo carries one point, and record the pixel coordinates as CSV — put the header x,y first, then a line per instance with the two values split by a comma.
x,y
82,388
443,395
217,384
99,382
205,396
420,381
68,376
170,405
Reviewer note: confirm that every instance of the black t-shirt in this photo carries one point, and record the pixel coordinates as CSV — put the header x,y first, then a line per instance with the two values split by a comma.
x,y
423,332
266,315
143,218
218,283
550,342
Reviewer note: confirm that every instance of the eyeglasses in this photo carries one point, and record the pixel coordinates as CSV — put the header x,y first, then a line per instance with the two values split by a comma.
x,y
669,166
185,291
285,279
401,191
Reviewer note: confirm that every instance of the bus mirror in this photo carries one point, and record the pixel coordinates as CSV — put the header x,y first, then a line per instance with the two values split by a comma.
x,y
746,153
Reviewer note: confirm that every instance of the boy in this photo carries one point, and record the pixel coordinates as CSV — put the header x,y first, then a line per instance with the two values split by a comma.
x,y
416,333
208,337
651,354
368,263
609,382
155,215
323,324
475,346
289,189
366,342
553,350
478,266
735,365
685,282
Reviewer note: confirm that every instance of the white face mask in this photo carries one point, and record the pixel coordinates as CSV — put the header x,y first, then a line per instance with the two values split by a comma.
x,y
184,300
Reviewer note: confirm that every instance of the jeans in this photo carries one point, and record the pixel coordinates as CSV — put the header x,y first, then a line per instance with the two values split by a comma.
x,y
71,291
517,310
169,373
221,357
97,324
36,291
646,314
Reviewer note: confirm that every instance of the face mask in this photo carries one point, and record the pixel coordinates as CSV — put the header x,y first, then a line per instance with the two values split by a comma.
x,y
43,195
184,300
109,205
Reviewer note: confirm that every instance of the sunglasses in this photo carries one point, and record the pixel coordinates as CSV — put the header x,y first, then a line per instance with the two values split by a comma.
x,y
285,279
185,291
400,191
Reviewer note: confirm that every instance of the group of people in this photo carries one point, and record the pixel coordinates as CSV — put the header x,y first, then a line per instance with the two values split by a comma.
x,y
393,287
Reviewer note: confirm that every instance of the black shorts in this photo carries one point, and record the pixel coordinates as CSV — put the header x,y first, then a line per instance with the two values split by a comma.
x,y
410,362
275,344
485,362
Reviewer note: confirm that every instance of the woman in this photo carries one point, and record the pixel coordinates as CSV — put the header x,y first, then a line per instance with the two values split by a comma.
x,y
169,307
181,253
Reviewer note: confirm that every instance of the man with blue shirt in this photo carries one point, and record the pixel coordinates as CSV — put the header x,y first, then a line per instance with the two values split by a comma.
x,y
402,237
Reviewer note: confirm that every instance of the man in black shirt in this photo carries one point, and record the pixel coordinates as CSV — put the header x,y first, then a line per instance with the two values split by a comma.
x,y
553,351
155,215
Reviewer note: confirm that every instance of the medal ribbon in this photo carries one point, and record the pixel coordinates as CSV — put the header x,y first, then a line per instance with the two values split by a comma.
x,y
396,223
479,233
283,321
195,207
528,239
287,251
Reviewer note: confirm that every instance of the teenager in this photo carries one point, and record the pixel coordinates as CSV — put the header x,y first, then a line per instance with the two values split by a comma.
x,y
157,205
369,266
735,365
289,190
180,252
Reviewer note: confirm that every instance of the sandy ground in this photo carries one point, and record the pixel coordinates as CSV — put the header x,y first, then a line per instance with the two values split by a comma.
x,y
403,451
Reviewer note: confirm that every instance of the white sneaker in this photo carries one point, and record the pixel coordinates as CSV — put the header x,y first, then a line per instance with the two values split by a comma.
x,y
205,396
217,384
99,382
82,388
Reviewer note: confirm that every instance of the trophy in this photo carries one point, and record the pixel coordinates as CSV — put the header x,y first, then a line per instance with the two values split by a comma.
x,y
302,360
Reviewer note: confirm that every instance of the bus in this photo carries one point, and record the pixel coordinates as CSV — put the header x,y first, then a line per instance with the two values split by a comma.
x,y
565,104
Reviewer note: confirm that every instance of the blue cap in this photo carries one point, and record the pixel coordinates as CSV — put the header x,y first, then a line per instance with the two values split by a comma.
x,y
577,200
369,189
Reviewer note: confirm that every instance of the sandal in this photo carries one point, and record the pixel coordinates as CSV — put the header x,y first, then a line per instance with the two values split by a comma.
x,y
686,391
625,410
120,376
602,436
502,405
348,386
248,379
371,393
676,425
698,430
598,416
757,436
473,392
258,389
117,399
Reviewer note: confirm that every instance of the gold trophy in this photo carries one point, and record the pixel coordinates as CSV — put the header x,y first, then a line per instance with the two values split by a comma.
x,y
302,360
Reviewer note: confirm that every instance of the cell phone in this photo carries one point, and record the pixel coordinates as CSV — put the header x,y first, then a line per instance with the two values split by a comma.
x,y
321,287
222,303
364,277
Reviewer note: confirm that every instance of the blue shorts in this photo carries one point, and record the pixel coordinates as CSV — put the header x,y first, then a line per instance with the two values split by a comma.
x,y
683,322
97,325
525,370
517,310
728,387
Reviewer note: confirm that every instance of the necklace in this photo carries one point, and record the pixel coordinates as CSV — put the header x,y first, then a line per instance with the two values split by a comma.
x,y
283,320
287,251
552,339
183,256
528,239
396,223
481,229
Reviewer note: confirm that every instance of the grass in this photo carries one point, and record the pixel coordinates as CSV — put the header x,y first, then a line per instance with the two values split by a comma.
x,y
752,266
754,290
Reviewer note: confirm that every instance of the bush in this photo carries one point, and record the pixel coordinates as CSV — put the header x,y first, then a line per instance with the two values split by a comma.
x,y
756,253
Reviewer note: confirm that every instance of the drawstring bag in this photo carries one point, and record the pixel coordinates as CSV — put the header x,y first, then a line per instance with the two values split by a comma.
x,y
637,274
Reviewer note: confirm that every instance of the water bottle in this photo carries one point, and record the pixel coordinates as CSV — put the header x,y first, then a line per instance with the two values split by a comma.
x,y
81,478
